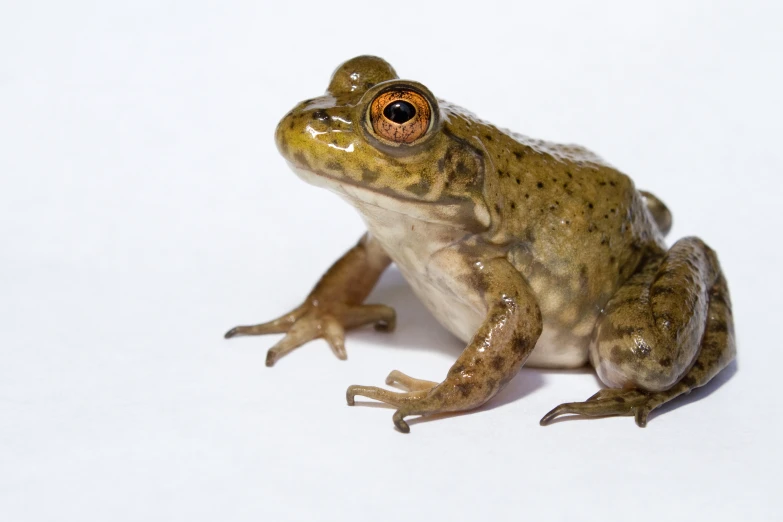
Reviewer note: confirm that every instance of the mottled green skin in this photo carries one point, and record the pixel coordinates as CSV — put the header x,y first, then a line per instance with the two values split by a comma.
x,y
572,225
513,243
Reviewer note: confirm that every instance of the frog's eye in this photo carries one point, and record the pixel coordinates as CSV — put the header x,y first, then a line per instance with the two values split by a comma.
x,y
400,115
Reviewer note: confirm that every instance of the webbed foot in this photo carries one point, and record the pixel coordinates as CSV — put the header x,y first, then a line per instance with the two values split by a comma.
x,y
416,391
611,402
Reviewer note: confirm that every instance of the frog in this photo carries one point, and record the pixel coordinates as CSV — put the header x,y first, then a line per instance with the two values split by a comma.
x,y
530,252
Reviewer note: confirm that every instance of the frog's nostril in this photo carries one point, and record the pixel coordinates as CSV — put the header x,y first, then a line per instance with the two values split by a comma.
x,y
321,116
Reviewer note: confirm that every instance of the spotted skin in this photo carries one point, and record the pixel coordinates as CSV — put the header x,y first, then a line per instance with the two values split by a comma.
x,y
650,330
714,350
530,252
492,358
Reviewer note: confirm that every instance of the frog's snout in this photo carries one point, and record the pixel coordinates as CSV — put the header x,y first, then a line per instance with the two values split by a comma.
x,y
315,132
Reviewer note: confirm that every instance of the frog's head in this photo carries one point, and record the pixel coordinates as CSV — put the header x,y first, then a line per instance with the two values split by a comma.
x,y
381,141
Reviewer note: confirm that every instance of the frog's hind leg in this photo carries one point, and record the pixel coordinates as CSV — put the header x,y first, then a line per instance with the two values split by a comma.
x,y
668,330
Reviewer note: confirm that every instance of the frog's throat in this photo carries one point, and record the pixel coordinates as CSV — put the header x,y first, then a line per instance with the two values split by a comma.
x,y
467,214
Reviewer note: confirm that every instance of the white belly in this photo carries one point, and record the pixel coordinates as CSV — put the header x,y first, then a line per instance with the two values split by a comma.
x,y
458,314
554,349
413,245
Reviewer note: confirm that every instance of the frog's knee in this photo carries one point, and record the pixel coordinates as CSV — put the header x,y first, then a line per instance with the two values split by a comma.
x,y
660,212
634,364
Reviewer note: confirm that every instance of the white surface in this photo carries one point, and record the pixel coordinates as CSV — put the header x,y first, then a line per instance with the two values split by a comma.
x,y
144,210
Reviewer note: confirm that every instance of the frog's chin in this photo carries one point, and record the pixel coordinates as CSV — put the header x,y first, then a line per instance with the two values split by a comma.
x,y
468,214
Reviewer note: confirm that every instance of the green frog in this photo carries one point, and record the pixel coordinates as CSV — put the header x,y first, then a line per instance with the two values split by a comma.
x,y
528,251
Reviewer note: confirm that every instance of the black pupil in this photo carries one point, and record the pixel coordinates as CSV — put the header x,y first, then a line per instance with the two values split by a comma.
x,y
399,111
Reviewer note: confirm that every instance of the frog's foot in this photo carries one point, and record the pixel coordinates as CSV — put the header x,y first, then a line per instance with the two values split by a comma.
x,y
414,389
308,322
612,402
417,391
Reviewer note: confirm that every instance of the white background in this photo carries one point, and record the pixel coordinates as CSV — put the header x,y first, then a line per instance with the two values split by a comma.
x,y
144,210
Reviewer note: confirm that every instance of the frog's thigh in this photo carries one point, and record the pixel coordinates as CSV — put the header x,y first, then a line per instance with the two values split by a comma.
x,y
714,351
652,328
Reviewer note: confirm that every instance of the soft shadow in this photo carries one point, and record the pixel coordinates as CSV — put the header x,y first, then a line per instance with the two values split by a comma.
x,y
526,382
421,419
587,369
416,327
695,395
699,393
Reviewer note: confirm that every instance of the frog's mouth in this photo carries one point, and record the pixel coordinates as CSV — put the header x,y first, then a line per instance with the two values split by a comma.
x,y
464,214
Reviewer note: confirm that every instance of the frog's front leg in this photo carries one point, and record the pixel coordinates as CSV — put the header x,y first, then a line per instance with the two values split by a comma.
x,y
334,305
511,326
668,330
